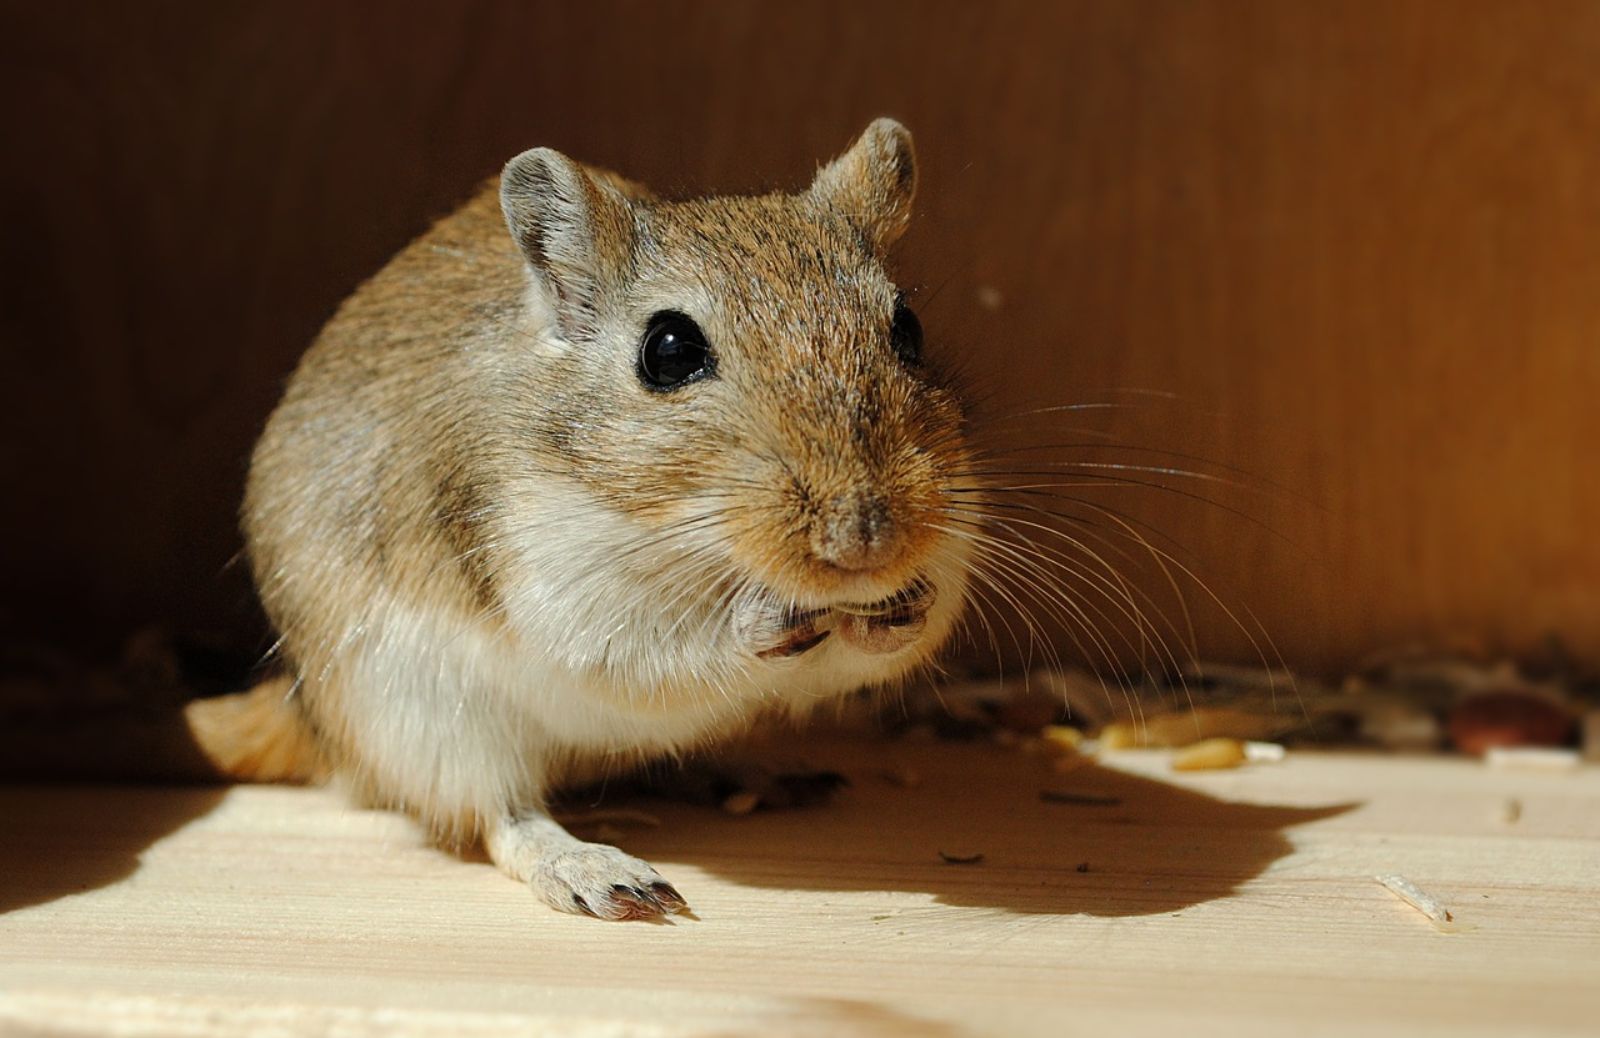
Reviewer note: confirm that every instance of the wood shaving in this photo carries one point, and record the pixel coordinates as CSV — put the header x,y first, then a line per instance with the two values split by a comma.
x,y
1532,758
1417,898
1264,752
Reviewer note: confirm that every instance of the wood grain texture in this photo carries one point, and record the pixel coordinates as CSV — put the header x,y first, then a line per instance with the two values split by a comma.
x,y
1358,242
1237,903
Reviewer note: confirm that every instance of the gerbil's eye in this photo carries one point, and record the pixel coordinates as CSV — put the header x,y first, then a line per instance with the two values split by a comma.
x,y
905,334
673,352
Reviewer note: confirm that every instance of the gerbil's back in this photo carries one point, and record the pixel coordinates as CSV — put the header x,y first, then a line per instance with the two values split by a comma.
x,y
376,431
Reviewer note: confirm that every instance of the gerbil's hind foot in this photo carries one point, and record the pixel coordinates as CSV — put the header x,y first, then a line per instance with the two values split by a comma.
x,y
584,878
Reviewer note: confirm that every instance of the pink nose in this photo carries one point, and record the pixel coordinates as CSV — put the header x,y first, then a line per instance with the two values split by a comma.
x,y
855,532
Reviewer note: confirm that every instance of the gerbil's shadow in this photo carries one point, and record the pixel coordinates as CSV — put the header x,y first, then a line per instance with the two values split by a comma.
x,y
57,840
61,840
1110,843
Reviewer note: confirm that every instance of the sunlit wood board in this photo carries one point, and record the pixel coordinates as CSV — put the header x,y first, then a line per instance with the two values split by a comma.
x,y
1239,902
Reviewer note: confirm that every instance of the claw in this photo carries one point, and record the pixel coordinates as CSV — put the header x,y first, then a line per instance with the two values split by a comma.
x,y
668,897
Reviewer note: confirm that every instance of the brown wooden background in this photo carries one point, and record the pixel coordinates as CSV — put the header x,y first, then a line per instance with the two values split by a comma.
x,y
1360,241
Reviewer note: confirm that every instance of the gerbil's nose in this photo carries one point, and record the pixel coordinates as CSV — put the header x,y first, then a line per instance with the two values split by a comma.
x,y
855,532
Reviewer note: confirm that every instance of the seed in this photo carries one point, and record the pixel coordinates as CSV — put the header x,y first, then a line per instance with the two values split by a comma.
x,y
741,803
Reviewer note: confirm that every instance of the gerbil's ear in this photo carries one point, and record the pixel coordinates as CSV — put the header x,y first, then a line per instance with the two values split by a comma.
x,y
576,231
873,183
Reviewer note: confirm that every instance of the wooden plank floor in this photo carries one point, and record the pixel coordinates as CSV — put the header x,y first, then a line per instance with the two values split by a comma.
x,y
1224,902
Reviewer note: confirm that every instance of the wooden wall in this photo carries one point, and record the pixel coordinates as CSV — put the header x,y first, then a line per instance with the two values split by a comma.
x,y
1358,242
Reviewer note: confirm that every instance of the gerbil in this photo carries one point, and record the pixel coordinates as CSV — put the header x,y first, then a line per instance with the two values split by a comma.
x,y
585,477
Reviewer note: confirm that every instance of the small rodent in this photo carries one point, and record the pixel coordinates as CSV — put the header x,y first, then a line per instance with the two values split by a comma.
x,y
585,477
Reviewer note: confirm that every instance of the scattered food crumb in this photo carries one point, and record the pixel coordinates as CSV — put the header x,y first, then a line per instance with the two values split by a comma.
x,y
1264,752
1532,758
960,859
1209,755
1510,810
1051,796
1414,896
741,803
1083,866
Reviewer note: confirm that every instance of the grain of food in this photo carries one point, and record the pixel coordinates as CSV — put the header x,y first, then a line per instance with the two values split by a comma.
x,y
1210,755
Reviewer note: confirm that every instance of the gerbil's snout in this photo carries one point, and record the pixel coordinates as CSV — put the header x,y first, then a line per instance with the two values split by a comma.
x,y
856,532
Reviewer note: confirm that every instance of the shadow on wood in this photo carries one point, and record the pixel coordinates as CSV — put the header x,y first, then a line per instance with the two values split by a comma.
x,y
42,860
1151,848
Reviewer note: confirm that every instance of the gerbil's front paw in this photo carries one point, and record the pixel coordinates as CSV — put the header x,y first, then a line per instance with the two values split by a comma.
x,y
594,879
573,876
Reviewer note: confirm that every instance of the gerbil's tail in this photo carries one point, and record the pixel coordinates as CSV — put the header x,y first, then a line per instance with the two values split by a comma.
x,y
252,736
255,736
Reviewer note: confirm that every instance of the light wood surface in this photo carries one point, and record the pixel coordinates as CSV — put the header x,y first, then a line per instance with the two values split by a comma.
x,y
1357,239
1238,903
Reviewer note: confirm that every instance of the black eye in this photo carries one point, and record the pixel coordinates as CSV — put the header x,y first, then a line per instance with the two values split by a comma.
x,y
905,334
673,352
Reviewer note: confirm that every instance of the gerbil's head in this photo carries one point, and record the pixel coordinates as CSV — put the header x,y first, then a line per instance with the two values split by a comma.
x,y
740,376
